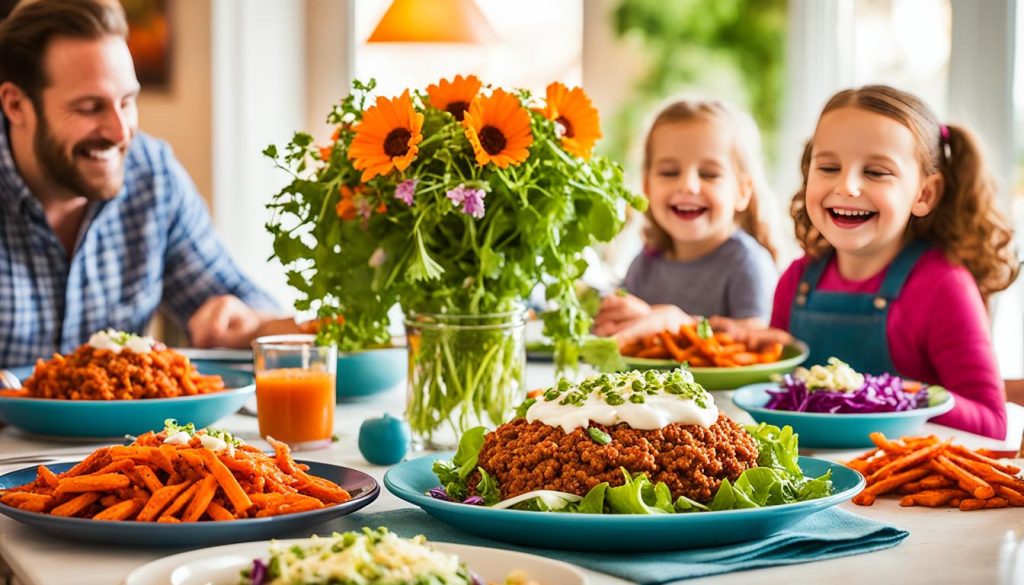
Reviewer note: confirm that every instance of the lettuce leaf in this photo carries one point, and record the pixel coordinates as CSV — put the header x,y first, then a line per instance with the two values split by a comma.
x,y
453,474
593,502
777,448
487,487
639,496
777,479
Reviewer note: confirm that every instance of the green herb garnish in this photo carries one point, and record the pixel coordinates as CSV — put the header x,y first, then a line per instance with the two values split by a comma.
x,y
598,436
704,329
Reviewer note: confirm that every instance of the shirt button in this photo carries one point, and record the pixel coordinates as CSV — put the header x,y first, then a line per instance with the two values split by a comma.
x,y
880,303
805,287
801,300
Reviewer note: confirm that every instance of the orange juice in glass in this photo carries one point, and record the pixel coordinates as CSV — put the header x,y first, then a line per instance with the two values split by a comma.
x,y
295,390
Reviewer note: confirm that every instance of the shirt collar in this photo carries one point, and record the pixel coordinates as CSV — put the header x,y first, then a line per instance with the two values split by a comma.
x,y
13,190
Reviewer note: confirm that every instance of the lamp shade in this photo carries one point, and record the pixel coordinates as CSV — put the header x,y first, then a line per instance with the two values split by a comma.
x,y
433,21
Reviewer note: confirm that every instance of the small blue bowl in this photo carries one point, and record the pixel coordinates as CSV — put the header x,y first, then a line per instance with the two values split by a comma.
x,y
835,431
366,373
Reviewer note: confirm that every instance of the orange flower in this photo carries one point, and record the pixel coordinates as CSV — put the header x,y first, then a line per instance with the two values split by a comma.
x,y
454,96
498,127
346,207
326,151
575,118
387,136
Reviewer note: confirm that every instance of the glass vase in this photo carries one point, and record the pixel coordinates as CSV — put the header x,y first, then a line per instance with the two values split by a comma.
x,y
464,371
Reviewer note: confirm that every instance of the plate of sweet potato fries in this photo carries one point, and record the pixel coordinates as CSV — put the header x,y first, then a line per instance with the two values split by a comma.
x,y
929,472
157,493
717,361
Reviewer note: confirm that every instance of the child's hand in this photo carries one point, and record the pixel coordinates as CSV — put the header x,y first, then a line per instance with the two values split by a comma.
x,y
660,318
618,311
755,336
736,328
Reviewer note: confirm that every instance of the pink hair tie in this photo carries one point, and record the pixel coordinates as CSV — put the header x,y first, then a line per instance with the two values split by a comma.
x,y
947,150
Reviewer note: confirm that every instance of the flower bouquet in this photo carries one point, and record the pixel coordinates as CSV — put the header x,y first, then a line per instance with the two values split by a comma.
x,y
454,202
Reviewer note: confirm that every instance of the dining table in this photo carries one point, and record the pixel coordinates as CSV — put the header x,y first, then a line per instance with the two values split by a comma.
x,y
944,545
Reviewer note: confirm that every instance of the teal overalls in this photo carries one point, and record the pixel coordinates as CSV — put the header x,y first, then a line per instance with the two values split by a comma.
x,y
850,326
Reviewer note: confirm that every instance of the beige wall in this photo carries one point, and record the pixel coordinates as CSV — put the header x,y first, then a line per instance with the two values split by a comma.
x,y
182,114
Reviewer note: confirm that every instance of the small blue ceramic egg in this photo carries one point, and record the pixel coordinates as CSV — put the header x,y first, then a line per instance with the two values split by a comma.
x,y
384,440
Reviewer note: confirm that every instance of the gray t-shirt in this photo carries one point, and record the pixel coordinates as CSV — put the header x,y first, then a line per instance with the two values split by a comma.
x,y
737,280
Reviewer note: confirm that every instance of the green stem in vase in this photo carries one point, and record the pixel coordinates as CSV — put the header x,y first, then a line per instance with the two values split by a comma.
x,y
464,377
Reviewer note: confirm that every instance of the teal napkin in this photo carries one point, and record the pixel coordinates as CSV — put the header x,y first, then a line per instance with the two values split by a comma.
x,y
828,534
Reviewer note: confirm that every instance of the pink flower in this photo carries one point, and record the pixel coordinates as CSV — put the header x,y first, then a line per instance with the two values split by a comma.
x,y
471,200
405,190
473,204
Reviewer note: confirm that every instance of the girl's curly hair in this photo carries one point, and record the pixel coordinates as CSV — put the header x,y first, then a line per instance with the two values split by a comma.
x,y
966,222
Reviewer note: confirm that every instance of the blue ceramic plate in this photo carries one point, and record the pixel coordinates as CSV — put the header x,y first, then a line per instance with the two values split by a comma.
x,y
730,378
361,486
620,533
835,431
116,418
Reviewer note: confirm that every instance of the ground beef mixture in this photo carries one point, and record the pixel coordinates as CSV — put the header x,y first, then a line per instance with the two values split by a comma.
x,y
692,460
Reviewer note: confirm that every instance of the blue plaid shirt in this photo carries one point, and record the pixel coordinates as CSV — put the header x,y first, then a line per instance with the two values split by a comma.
x,y
153,246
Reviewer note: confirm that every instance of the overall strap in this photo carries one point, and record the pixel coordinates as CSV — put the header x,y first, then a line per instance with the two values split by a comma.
x,y
900,268
811,276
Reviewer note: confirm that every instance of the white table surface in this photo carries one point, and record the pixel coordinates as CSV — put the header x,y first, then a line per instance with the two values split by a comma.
x,y
944,546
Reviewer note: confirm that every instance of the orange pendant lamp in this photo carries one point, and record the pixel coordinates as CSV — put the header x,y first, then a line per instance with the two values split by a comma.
x,y
433,21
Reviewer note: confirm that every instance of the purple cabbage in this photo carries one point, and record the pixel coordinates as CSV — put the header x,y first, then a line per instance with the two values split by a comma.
x,y
882,393
438,493
259,572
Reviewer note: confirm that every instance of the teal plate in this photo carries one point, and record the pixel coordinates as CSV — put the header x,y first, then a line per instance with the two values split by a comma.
x,y
117,418
835,431
359,485
410,480
730,378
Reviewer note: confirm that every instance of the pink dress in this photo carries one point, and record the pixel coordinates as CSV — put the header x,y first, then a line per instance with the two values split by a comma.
x,y
937,332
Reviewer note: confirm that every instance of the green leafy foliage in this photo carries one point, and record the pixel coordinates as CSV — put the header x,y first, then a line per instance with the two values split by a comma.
x,y
691,43
430,256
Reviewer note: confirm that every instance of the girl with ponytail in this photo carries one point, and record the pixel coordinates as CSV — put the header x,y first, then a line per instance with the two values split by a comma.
x,y
904,245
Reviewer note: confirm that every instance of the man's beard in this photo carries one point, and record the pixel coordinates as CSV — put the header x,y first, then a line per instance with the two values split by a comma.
x,y
60,167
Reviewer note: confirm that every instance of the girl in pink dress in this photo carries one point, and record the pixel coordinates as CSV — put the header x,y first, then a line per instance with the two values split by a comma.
x,y
904,245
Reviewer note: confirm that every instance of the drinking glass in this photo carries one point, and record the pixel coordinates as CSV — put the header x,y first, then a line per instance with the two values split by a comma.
x,y
295,390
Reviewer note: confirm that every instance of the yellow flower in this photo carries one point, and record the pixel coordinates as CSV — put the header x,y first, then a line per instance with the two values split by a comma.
x,y
575,118
498,127
454,96
387,136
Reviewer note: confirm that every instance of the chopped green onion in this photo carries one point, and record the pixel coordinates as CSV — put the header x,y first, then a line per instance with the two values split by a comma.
x,y
600,437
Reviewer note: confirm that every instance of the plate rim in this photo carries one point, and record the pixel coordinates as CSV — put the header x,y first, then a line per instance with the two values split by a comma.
x,y
837,498
247,389
805,352
175,560
370,494
928,411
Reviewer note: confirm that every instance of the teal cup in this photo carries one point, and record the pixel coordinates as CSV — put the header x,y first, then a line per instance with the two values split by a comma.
x,y
365,373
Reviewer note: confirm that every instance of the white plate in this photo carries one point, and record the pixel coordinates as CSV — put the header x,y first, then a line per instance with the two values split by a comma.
x,y
222,565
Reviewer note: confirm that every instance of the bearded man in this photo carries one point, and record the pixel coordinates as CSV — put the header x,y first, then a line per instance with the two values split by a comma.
x,y
100,226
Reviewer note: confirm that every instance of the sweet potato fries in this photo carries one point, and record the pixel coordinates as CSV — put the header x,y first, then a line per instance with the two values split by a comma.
x,y
153,481
928,472
718,350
